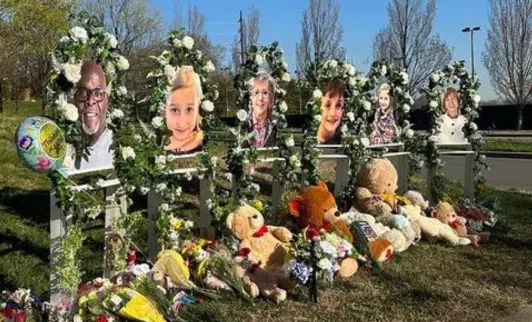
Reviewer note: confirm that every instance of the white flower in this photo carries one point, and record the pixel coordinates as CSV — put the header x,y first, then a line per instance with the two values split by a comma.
x,y
406,108
482,157
255,187
157,122
207,106
160,161
258,59
177,43
476,98
64,39
144,190
384,70
351,70
242,115
78,318
352,81
283,107
229,176
161,187
72,72
433,104
362,81
117,114
365,142
170,72
316,94
404,76
286,77
290,142
433,138
367,105
409,133
174,236
164,207
209,67
199,54
332,63
111,39
188,42
293,159
214,159
473,126
70,112
250,82
79,34
122,63
188,224
317,117
327,248
435,77
285,65
138,137
128,153
121,90
351,116
325,264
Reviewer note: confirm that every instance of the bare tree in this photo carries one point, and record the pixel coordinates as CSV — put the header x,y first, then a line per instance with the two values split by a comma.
x,y
409,41
196,29
508,55
321,33
178,18
251,32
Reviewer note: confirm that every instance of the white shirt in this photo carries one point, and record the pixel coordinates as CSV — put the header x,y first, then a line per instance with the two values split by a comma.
x,y
450,130
100,154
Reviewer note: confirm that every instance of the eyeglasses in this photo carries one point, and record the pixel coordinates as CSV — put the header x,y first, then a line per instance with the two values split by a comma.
x,y
83,94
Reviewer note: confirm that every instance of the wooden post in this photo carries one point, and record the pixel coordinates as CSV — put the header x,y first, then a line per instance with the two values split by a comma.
x,y
342,179
277,187
205,219
431,173
113,210
58,226
154,201
469,180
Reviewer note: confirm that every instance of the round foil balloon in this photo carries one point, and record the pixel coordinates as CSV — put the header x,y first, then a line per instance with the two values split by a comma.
x,y
40,144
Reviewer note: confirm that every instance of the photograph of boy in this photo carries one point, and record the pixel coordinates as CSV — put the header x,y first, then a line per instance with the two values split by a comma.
x,y
384,128
451,122
262,98
332,109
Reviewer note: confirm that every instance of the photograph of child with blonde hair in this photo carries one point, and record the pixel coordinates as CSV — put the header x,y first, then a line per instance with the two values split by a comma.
x,y
384,126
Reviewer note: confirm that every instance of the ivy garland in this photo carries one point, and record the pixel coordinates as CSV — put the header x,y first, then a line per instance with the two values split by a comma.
x,y
457,75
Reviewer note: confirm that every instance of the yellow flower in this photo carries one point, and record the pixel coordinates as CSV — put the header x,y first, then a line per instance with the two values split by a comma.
x,y
257,204
176,223
202,268
82,300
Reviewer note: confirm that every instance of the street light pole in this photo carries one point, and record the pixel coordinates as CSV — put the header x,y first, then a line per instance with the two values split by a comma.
x,y
472,30
299,90
226,69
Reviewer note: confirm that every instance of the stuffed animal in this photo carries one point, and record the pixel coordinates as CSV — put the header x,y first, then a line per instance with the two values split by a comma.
x,y
375,195
432,228
446,214
262,248
417,199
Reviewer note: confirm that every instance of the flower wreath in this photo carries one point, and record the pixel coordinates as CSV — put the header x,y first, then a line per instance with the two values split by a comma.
x,y
455,74
397,78
237,158
353,128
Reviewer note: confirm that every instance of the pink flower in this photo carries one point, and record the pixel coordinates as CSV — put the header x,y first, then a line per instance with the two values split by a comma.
x,y
43,164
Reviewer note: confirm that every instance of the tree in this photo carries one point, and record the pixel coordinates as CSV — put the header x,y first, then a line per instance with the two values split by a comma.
x,y
196,29
409,41
250,35
508,54
321,33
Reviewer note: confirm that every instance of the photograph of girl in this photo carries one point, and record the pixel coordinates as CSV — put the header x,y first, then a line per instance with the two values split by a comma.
x,y
451,123
384,128
332,109
182,113
262,98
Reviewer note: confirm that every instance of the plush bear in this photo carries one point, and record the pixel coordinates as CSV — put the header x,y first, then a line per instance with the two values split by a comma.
x,y
262,247
432,228
446,214
375,195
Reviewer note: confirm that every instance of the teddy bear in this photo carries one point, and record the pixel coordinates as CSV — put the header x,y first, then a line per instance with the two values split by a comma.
x,y
262,249
315,207
375,195
432,228
446,214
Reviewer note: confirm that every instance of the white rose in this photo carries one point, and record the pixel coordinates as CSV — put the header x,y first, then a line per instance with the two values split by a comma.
x,y
160,161
406,108
71,112
79,34
433,138
258,59
352,81
283,107
433,104
229,176
117,114
286,77
367,105
64,39
122,63
325,264
285,65
242,115
207,106
343,128
351,116
199,54
177,43
435,77
72,72
332,63
188,42
128,153
351,70
188,224
473,126
404,76
384,70
161,187
157,122
362,81
170,72
476,98
111,39
409,133
290,142
209,67
121,90
316,94
365,142
317,117
138,137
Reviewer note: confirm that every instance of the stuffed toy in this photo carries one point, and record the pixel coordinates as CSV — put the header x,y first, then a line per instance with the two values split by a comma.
x,y
262,250
446,214
432,228
417,199
375,195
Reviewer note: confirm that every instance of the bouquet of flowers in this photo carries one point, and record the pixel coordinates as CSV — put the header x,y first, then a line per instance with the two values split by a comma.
x,y
478,215
19,306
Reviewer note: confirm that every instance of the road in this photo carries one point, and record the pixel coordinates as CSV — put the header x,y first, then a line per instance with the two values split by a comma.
x,y
504,173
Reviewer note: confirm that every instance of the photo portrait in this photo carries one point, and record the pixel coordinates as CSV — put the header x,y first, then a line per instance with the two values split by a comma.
x,y
332,110
384,128
259,124
451,122
25,143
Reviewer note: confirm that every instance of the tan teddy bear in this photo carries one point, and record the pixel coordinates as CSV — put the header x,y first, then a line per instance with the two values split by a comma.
x,y
432,228
446,214
261,246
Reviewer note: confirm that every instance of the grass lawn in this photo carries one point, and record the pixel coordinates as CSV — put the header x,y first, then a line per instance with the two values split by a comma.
x,y
508,145
430,282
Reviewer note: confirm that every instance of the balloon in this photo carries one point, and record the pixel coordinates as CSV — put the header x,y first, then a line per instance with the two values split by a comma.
x,y
40,144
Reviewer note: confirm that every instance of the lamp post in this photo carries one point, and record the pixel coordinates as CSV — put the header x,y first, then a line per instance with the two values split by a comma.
x,y
299,90
226,69
472,30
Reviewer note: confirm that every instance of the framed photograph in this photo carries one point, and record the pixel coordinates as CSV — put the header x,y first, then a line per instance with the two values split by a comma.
x,y
332,110
261,130
384,126
451,122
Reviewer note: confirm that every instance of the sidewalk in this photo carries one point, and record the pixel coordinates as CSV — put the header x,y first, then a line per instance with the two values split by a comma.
x,y
522,315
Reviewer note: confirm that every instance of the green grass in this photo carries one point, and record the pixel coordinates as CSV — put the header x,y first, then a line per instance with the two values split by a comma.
x,y
508,145
429,282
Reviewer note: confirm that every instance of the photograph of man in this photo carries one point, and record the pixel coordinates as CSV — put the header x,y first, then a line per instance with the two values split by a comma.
x,y
451,122
384,127
182,113
332,109
262,98
92,102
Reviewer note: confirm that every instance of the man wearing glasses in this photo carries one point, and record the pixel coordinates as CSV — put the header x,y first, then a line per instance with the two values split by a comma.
x,y
92,102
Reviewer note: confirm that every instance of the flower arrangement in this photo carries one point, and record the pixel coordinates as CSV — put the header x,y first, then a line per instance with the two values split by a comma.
x,y
20,306
480,216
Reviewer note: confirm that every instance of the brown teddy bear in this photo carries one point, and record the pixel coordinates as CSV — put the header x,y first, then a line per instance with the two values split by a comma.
x,y
262,248
446,214
375,195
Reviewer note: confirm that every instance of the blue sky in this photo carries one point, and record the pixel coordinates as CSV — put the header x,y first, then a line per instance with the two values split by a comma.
x,y
361,20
